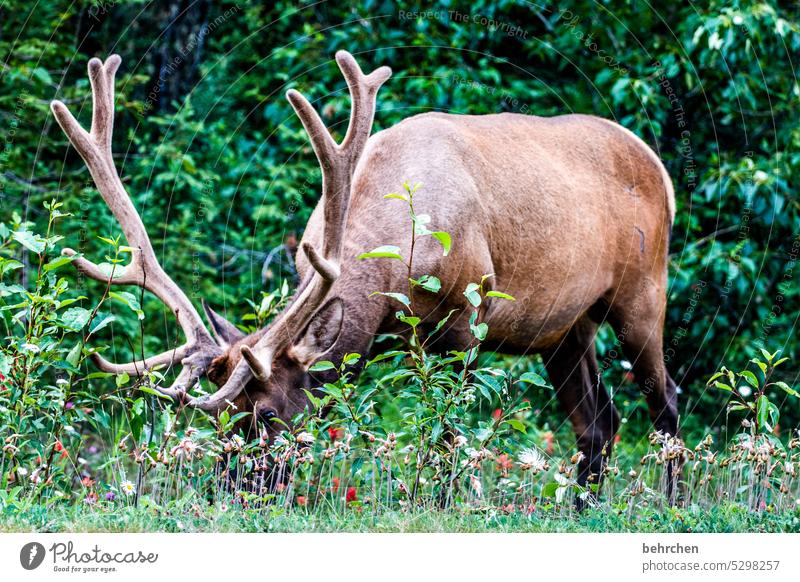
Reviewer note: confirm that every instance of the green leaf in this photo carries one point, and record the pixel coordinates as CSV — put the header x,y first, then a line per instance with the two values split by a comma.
x,y
32,242
397,296
750,378
500,295
429,283
480,331
57,263
122,379
6,290
383,252
75,318
516,425
130,300
550,489
723,386
763,411
533,378
385,356
321,366
419,224
407,319
442,322
350,359
472,294
762,366
396,196
148,390
444,239
100,321
786,388
74,354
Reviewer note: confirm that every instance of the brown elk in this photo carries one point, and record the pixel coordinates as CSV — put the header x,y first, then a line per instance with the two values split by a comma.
x,y
572,215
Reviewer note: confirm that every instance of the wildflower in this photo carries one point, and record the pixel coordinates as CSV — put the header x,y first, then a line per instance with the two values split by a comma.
x,y
302,501
789,468
476,456
564,485
59,448
32,348
532,460
110,496
87,481
127,488
335,433
69,405
498,412
22,471
305,438
476,485
503,463
62,382
90,499
186,449
335,484
351,495
459,441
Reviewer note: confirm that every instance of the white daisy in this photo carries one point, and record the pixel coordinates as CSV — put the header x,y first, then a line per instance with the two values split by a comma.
x,y
128,488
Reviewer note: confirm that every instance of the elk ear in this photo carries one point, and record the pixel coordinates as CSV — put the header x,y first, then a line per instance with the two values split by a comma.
x,y
224,331
321,333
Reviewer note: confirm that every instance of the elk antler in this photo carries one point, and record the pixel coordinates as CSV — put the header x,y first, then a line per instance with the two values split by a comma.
x,y
338,163
144,269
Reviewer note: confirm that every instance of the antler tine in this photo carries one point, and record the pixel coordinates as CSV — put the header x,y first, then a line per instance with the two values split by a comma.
x,y
363,89
338,162
144,269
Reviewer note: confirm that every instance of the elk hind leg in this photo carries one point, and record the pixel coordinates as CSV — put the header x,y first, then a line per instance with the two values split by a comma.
x,y
572,368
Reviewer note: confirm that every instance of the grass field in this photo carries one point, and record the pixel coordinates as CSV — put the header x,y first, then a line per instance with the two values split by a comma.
x,y
726,518
604,517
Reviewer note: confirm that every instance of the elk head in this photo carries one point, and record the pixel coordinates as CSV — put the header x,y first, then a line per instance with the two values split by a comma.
x,y
265,372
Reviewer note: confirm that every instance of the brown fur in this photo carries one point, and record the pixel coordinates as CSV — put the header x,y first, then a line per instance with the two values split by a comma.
x,y
571,214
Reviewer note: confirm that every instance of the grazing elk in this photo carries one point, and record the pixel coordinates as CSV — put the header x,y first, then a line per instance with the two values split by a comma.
x,y
572,215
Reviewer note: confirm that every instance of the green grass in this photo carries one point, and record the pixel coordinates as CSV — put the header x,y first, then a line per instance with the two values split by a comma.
x,y
728,518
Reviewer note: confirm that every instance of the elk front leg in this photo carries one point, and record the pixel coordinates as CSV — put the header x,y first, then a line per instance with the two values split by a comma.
x,y
572,368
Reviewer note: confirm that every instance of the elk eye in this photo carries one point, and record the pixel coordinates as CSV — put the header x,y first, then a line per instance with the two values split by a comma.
x,y
267,414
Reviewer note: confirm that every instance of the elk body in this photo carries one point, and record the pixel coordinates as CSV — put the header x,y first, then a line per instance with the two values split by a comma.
x,y
572,215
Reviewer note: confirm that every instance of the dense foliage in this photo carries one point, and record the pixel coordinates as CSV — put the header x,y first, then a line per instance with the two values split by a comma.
x,y
222,173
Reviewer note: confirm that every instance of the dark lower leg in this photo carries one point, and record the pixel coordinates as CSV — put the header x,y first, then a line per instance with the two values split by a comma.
x,y
573,370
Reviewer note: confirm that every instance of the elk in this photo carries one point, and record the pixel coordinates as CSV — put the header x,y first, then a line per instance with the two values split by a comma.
x,y
572,214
